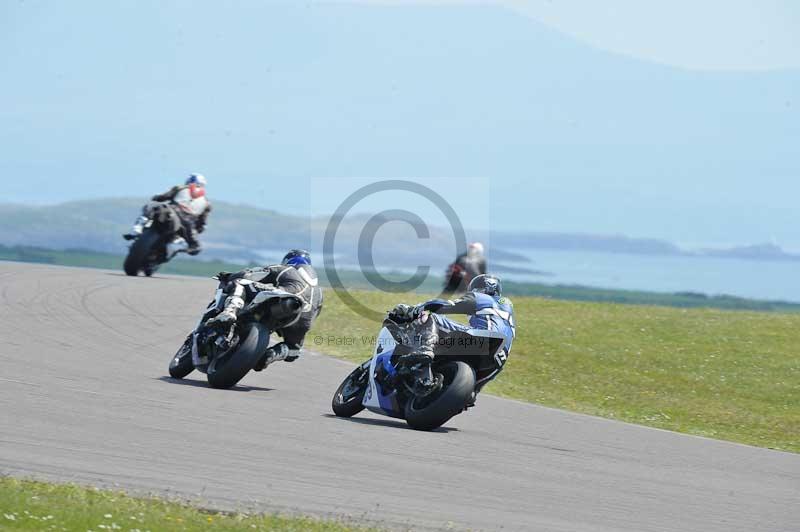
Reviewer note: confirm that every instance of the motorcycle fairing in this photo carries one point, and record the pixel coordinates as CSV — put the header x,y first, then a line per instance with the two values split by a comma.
x,y
375,400
216,304
199,363
264,296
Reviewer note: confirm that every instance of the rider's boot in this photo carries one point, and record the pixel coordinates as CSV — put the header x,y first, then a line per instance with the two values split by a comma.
x,y
425,381
136,230
230,313
471,400
190,235
273,354
426,338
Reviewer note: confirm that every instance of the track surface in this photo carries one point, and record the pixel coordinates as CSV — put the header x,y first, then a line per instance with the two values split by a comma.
x,y
83,398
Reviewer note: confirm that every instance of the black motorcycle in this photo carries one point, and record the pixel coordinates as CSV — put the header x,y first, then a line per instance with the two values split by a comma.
x,y
389,383
226,353
151,249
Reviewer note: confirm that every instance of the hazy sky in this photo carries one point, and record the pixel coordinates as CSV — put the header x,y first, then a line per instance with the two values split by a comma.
x,y
679,120
706,34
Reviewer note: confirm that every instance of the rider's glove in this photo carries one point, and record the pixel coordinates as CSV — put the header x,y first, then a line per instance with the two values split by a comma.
x,y
403,313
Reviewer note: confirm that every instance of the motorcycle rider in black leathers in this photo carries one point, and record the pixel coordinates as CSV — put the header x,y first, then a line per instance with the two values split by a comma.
x,y
487,310
190,205
294,275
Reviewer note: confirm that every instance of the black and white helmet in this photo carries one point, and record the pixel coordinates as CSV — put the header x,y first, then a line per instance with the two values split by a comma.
x,y
486,284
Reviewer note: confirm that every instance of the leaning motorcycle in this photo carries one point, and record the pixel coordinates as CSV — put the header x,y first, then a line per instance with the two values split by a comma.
x,y
226,353
386,384
158,243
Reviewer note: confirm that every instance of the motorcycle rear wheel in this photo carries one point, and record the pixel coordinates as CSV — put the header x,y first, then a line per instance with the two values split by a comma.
x,y
226,371
430,412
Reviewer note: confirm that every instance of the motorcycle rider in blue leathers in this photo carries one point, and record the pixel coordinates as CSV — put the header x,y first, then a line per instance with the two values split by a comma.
x,y
487,310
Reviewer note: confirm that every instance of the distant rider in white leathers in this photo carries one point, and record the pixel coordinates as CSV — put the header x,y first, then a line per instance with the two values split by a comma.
x,y
191,206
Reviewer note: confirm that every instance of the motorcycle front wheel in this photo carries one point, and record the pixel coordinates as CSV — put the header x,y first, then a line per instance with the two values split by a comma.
x,y
181,364
349,397
140,251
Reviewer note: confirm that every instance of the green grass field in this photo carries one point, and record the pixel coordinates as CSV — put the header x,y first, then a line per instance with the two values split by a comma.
x,y
724,374
28,505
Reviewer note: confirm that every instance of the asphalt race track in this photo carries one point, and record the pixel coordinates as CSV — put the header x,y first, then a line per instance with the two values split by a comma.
x,y
84,398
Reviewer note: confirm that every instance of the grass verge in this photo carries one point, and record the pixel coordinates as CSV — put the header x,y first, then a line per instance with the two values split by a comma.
x,y
722,374
30,505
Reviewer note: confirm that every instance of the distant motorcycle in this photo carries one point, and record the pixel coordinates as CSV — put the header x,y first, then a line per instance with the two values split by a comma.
x,y
158,243
226,353
386,385
455,279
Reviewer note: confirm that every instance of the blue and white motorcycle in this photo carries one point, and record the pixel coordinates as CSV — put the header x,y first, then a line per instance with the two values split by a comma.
x,y
387,383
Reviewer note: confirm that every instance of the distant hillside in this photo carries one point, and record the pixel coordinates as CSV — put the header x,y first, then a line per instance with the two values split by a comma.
x,y
234,230
586,242
754,252
355,279
243,233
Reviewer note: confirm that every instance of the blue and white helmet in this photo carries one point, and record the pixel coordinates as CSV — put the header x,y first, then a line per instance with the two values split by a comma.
x,y
296,257
196,179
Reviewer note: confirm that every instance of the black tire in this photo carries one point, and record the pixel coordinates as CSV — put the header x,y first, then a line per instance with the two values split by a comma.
x,y
428,413
349,396
181,364
139,252
226,372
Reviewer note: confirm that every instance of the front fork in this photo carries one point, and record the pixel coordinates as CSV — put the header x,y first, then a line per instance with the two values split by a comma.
x,y
215,305
222,343
211,310
416,374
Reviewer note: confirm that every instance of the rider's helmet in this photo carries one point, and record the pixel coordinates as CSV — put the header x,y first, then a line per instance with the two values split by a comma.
x,y
296,257
486,284
198,180
475,250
